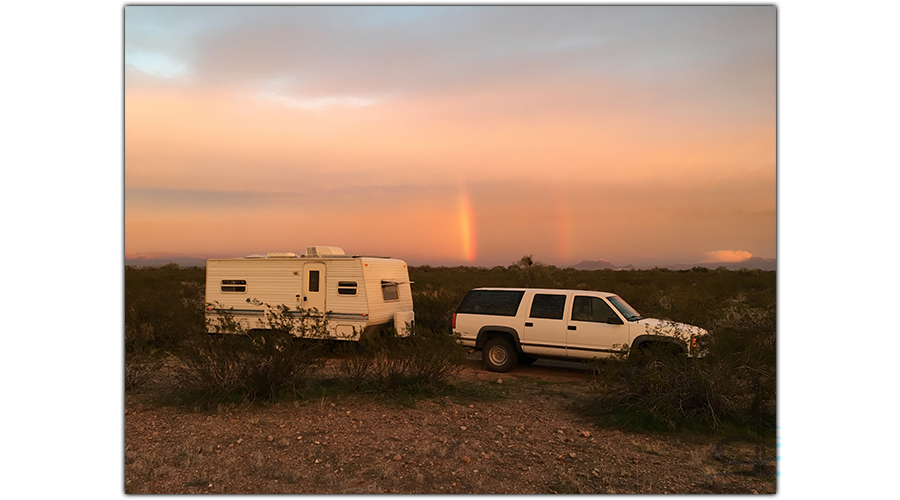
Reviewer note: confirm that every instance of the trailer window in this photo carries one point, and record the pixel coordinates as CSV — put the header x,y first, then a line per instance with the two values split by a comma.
x,y
346,288
314,281
389,291
239,286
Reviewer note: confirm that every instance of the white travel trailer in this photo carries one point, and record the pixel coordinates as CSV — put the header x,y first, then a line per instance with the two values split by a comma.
x,y
356,293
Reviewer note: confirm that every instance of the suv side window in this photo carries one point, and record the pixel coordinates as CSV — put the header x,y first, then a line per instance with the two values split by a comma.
x,y
492,302
548,306
591,309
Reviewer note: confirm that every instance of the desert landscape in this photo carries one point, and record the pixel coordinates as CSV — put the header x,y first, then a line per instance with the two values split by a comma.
x,y
552,427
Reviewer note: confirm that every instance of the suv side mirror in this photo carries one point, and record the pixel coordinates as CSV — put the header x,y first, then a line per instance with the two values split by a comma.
x,y
614,320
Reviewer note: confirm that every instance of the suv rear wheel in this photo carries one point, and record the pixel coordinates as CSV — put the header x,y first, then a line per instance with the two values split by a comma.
x,y
499,355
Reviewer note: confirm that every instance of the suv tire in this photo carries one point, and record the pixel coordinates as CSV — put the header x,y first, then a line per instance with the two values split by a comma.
x,y
499,355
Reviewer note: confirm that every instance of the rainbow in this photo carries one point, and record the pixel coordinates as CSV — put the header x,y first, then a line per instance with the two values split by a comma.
x,y
466,225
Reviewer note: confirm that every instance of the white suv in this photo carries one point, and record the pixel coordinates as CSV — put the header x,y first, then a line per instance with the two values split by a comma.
x,y
513,325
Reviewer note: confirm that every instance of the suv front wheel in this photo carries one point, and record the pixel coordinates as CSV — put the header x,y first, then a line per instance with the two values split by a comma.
x,y
499,355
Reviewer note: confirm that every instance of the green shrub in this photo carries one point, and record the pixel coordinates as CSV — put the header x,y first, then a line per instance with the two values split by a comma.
x,y
391,365
257,365
355,364
435,356
733,385
254,364
138,372
163,306
387,362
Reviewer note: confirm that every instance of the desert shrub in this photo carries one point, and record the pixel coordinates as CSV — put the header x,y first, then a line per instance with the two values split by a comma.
x,y
137,372
434,307
435,356
139,339
356,364
257,365
386,362
734,385
392,367
163,306
674,392
305,323
253,364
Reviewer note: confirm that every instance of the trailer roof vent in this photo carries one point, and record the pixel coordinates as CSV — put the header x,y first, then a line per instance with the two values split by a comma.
x,y
282,255
320,251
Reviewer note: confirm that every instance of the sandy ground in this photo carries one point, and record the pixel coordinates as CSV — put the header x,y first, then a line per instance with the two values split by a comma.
x,y
526,438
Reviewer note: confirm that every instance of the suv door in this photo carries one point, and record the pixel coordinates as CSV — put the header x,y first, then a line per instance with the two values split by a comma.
x,y
595,330
545,325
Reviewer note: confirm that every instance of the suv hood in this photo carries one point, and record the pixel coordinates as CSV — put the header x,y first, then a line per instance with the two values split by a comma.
x,y
655,326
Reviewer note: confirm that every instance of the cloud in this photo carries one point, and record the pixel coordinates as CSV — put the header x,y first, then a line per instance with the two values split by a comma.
x,y
156,64
318,103
728,256
414,50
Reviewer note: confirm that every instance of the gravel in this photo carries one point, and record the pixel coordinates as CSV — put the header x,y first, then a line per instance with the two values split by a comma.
x,y
523,437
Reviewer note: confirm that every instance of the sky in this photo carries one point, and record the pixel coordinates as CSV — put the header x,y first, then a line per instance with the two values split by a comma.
x,y
452,135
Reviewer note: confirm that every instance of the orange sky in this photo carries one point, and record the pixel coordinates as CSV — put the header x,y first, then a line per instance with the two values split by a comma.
x,y
452,135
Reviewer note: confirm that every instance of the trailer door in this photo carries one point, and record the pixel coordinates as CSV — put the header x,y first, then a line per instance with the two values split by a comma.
x,y
314,286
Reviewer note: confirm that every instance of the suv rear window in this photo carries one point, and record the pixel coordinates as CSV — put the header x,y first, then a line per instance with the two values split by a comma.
x,y
493,302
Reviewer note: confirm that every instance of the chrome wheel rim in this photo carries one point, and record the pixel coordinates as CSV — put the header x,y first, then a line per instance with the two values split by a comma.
x,y
498,355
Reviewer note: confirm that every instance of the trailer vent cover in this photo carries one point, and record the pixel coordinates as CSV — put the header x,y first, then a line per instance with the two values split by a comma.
x,y
322,251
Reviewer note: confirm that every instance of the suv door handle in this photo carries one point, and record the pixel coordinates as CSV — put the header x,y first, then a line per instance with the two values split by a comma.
x,y
572,327
528,323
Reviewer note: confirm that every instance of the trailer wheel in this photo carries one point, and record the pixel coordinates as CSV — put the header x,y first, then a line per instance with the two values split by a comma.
x,y
499,355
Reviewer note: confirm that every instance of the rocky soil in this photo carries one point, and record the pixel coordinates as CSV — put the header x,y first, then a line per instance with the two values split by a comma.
x,y
518,433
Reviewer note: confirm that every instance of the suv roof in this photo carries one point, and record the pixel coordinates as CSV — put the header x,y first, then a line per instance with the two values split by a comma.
x,y
549,290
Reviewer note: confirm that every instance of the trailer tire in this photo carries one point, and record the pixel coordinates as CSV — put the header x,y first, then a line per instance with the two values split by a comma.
x,y
499,355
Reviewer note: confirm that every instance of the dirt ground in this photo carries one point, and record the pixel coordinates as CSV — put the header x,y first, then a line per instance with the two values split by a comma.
x,y
526,438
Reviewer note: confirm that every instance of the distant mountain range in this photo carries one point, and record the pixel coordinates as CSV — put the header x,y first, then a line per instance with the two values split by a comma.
x,y
183,260
760,263
593,265
161,259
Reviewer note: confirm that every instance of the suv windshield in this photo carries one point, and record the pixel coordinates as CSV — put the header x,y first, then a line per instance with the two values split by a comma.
x,y
623,307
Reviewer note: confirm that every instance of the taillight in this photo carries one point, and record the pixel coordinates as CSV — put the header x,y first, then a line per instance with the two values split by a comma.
x,y
693,341
454,321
